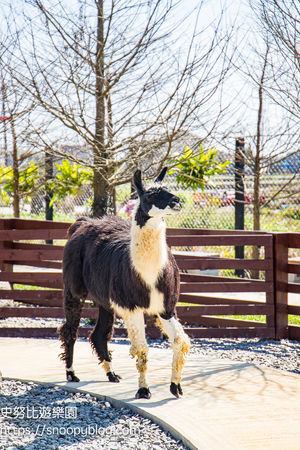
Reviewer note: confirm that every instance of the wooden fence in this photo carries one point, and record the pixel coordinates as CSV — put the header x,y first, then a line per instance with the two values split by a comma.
x,y
205,297
282,268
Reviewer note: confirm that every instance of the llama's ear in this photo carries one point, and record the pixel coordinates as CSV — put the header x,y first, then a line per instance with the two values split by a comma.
x,y
137,181
161,176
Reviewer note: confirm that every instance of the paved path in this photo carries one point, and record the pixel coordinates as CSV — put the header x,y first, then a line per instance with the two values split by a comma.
x,y
226,404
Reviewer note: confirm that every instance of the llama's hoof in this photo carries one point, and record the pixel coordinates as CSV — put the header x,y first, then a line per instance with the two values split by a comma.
x,y
176,389
72,377
143,392
113,377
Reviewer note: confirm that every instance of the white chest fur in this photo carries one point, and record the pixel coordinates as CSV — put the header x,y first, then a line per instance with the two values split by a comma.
x,y
149,256
148,250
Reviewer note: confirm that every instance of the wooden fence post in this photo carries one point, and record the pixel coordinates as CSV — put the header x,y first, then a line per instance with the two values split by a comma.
x,y
5,266
270,294
281,253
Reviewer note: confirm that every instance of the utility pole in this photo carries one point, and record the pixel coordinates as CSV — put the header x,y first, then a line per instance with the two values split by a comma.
x,y
239,204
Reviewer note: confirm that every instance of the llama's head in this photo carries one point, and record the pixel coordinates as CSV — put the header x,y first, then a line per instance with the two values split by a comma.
x,y
155,201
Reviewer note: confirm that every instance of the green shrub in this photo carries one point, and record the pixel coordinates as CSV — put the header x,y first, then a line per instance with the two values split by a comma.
x,y
293,212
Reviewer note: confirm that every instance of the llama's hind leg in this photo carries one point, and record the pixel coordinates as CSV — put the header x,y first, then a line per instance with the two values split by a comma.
x,y
136,332
68,332
98,339
180,343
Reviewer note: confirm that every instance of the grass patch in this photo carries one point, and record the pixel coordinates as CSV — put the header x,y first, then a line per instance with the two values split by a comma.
x,y
28,287
294,320
254,318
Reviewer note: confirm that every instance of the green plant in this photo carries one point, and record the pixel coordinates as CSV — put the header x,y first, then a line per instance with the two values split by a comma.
x,y
28,178
294,320
194,170
69,179
123,193
90,321
293,212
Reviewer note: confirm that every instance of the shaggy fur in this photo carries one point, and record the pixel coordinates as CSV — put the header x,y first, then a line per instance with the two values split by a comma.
x,y
126,268
101,246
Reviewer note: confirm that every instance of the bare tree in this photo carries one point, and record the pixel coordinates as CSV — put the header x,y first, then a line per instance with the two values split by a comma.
x,y
272,135
125,78
17,134
21,143
258,145
4,119
280,21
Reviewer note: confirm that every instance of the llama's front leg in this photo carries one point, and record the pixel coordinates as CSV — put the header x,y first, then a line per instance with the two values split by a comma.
x,y
136,332
180,343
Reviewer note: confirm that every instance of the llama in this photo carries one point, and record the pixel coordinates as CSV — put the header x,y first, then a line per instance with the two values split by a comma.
x,y
128,269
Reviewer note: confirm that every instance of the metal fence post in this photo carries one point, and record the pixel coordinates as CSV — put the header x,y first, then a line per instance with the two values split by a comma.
x,y
239,203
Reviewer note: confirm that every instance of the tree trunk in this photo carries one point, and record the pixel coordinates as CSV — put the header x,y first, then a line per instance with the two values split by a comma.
x,y
256,217
101,171
110,138
257,163
48,190
6,159
16,186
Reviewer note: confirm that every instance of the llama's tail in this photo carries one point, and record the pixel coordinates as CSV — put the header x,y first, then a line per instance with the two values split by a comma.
x,y
76,225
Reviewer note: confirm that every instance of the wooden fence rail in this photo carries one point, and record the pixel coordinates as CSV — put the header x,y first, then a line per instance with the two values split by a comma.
x,y
30,273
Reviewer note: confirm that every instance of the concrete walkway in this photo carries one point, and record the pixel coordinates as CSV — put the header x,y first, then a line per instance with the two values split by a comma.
x,y
226,404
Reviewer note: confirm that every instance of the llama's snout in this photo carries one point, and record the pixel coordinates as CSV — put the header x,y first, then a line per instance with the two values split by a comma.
x,y
175,204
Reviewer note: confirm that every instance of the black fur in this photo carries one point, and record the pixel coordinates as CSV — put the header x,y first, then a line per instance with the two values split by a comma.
x,y
102,333
156,196
169,284
97,259
161,176
141,218
68,331
167,315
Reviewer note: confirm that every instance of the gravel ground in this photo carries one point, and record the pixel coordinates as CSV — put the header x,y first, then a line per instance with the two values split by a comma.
x,y
37,417
283,355
111,428
27,322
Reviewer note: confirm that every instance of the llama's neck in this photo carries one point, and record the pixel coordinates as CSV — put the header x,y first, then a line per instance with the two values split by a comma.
x,y
148,249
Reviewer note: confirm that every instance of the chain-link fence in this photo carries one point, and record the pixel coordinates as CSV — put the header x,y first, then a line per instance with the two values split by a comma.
x,y
211,208
215,209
